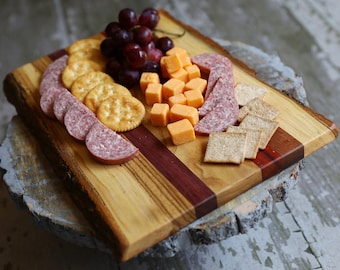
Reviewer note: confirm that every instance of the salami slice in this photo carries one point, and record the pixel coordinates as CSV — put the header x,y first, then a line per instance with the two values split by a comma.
x,y
52,75
215,73
47,100
224,88
56,66
107,146
78,120
220,78
223,115
207,61
62,103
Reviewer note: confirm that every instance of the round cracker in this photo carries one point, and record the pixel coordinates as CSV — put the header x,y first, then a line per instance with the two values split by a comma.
x,y
83,84
74,70
121,113
92,54
82,44
103,91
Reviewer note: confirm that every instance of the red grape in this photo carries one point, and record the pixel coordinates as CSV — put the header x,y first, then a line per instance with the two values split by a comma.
x,y
150,66
111,28
113,66
155,55
136,58
149,18
164,44
128,48
127,18
142,35
128,77
120,37
149,46
107,47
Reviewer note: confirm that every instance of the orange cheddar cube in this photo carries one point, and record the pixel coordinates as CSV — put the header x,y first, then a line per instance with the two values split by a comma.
x,y
196,84
177,99
179,112
146,78
186,62
182,55
181,132
153,93
172,87
193,71
175,50
172,63
180,74
194,98
159,114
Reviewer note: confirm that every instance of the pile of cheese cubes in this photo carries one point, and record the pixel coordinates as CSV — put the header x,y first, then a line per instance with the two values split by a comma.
x,y
175,102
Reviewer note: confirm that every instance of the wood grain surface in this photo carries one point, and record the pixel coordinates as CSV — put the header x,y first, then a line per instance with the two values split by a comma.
x,y
160,198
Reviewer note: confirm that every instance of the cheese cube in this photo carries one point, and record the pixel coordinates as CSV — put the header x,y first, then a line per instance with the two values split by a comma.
x,y
182,55
177,99
179,112
153,93
194,98
172,87
181,132
186,61
193,71
146,78
172,63
180,74
196,83
175,50
159,114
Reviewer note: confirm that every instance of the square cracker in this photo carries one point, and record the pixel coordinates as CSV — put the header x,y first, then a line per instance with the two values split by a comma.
x,y
253,140
246,92
259,107
225,147
267,126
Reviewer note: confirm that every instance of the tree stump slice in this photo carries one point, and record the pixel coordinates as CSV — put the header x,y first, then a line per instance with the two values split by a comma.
x,y
33,184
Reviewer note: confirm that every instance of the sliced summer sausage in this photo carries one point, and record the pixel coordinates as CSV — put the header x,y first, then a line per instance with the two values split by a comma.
x,y
78,120
223,115
206,61
215,74
52,75
215,66
62,102
47,100
56,66
107,146
224,88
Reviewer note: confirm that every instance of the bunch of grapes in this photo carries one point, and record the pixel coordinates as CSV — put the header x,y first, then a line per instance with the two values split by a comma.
x,y
131,46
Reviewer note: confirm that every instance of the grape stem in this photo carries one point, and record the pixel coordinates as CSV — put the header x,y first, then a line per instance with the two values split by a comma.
x,y
169,33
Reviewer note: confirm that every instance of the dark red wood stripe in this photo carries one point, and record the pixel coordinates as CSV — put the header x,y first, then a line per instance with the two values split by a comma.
x,y
282,151
180,176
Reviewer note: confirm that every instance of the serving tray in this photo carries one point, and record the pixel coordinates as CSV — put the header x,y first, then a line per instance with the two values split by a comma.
x,y
139,203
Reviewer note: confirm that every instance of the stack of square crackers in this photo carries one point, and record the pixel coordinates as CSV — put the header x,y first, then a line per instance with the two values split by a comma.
x,y
257,125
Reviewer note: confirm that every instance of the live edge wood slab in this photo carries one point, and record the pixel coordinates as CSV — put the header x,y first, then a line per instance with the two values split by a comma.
x,y
137,204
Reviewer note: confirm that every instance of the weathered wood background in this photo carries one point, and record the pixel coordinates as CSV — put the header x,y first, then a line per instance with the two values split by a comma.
x,y
301,233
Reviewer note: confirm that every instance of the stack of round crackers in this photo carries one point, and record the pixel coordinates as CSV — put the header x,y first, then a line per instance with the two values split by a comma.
x,y
84,76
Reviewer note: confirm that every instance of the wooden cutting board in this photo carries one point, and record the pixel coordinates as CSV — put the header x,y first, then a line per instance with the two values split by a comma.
x,y
137,204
